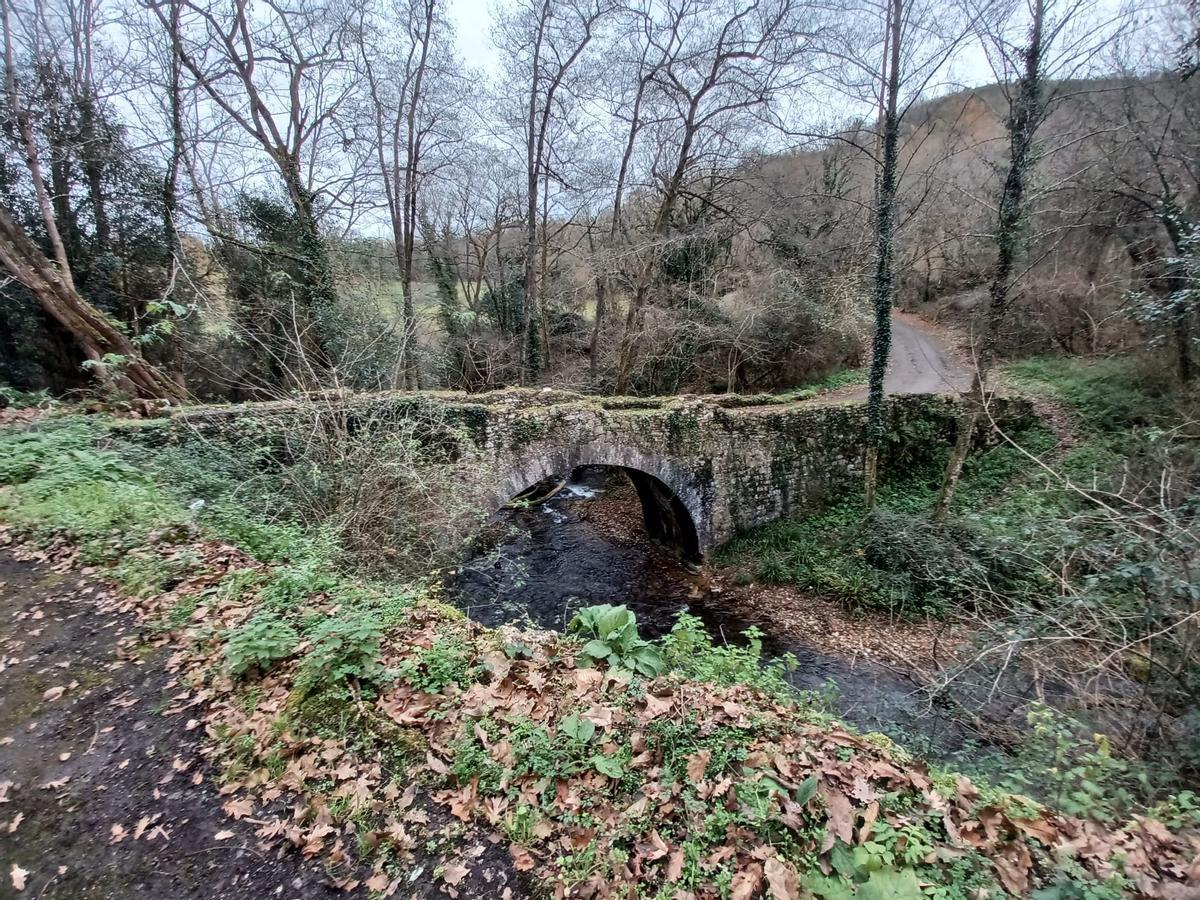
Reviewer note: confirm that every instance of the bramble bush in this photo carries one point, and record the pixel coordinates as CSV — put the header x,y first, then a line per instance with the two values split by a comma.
x,y
259,644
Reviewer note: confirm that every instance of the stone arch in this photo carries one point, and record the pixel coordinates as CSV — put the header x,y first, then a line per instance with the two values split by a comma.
x,y
672,503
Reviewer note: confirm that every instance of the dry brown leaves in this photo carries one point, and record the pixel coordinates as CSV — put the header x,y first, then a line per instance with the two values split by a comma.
x,y
294,805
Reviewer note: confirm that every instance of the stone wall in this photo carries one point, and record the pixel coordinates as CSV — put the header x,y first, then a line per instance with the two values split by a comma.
x,y
731,464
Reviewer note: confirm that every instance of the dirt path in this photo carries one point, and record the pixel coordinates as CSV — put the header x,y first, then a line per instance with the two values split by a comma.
x,y
923,360
103,791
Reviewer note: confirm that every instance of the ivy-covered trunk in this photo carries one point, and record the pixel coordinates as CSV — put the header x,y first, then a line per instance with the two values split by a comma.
x,y
1025,115
316,272
884,288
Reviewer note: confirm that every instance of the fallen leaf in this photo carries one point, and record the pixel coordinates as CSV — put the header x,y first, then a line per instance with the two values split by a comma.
x,y
377,882
781,878
746,882
18,877
862,790
53,693
454,873
239,809
657,706
840,814
675,866
1012,865
222,835
523,860
139,829
436,764
118,833
12,826
1040,828
697,764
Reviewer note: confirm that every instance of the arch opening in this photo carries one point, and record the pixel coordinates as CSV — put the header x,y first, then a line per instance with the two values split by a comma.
x,y
665,516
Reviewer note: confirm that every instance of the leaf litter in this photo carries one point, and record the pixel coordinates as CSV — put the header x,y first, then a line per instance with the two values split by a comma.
x,y
794,793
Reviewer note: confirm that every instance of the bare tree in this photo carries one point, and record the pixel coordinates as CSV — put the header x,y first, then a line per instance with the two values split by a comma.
x,y
710,68
546,41
416,88
283,75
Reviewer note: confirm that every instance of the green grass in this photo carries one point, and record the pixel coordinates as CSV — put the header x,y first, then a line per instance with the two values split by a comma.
x,y
60,485
1104,396
905,565
839,379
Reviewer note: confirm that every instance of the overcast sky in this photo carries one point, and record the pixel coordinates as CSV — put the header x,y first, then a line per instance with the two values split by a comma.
x,y
473,22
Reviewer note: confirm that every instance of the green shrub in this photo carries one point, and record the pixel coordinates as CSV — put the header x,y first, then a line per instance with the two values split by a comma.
x,y
291,586
689,650
343,648
926,565
614,639
447,662
1062,763
269,542
259,644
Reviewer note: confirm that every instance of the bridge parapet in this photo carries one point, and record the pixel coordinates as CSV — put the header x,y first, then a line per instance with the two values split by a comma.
x,y
730,462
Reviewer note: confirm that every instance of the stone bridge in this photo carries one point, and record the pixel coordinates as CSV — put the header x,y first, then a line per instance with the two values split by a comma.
x,y
705,468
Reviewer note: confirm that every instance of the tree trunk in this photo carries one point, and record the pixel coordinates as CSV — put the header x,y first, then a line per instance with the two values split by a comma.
x,y
113,357
411,161
884,282
1024,117
634,318
171,180
615,229
1183,347
533,167
93,171
601,290
320,288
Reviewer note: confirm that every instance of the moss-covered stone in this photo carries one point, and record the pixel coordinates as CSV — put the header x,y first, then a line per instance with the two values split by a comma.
x,y
732,462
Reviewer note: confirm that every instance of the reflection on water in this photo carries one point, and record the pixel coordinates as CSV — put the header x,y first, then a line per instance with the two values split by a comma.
x,y
538,564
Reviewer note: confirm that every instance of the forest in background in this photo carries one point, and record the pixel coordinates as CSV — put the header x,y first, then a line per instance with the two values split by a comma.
x,y
233,202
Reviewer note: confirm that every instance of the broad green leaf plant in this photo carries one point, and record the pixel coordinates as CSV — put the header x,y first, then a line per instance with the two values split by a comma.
x,y
614,640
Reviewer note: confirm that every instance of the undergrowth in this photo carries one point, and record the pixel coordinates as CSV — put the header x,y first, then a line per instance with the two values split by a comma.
x,y
898,561
330,633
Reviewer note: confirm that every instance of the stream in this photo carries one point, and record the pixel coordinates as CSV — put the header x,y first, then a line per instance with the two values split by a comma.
x,y
537,564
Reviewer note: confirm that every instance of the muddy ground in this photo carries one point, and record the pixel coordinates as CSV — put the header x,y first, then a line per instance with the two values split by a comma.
x,y
103,792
